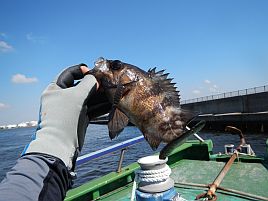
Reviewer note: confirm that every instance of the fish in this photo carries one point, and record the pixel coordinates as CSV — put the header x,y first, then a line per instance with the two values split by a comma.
x,y
147,99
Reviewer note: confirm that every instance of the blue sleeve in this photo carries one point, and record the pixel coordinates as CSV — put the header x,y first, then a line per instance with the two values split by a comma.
x,y
36,177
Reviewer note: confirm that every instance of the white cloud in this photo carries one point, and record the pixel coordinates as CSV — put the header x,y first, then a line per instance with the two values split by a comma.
x,y
214,89
5,47
35,39
22,79
3,106
206,88
196,91
211,87
30,37
207,81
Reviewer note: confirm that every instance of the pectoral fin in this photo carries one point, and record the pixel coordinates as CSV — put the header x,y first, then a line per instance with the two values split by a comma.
x,y
117,119
151,139
117,122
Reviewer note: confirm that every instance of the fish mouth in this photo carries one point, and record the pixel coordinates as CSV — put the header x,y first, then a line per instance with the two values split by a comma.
x,y
99,62
97,66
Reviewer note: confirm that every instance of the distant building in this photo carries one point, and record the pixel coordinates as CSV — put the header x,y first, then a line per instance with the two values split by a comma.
x,y
33,123
20,125
2,127
11,126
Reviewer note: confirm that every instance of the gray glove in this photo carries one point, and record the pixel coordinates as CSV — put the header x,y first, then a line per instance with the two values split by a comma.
x,y
64,116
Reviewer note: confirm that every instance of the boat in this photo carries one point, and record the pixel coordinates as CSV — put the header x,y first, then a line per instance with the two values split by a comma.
x,y
197,172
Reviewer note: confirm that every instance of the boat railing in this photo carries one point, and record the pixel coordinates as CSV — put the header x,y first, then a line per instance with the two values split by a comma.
x,y
243,92
111,149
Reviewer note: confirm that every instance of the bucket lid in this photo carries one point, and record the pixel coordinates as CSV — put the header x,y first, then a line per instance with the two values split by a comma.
x,y
151,162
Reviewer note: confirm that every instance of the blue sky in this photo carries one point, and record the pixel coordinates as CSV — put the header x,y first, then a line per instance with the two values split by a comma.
x,y
208,47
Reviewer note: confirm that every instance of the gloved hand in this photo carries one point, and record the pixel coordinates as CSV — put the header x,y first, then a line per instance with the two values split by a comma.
x,y
64,115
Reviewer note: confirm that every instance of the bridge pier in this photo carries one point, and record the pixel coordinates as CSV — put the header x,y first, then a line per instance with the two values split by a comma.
x,y
248,123
248,112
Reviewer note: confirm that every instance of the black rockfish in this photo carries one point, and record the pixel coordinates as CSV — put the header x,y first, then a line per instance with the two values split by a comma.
x,y
147,99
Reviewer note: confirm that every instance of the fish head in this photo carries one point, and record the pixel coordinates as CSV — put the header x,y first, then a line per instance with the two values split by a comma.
x,y
111,73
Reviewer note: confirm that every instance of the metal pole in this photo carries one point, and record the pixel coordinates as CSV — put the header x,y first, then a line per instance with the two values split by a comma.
x,y
121,160
218,180
213,187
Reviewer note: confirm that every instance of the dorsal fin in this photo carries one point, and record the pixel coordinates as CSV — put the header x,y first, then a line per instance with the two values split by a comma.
x,y
160,73
166,86
151,72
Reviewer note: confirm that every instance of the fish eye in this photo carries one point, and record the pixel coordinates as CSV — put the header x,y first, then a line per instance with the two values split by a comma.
x,y
116,64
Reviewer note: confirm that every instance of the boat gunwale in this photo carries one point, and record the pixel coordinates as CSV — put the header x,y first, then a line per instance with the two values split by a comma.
x,y
128,173
101,187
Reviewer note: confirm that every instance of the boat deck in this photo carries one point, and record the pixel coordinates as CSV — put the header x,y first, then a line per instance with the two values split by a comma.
x,y
187,172
244,177
193,168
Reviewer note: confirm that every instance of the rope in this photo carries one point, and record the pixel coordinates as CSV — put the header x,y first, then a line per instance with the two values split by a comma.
x,y
133,190
150,176
153,176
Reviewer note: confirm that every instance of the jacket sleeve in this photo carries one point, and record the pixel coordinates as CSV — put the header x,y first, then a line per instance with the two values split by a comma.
x,y
36,177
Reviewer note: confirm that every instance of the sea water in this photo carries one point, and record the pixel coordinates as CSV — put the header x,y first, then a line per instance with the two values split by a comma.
x,y
13,141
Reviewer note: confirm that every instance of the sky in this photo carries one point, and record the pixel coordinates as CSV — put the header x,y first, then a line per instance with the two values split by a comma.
x,y
207,46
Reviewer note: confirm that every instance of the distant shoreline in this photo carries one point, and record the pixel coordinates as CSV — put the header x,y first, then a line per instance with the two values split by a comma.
x,y
2,129
20,125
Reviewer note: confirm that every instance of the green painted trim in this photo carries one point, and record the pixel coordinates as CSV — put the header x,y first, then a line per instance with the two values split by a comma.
x,y
97,184
98,187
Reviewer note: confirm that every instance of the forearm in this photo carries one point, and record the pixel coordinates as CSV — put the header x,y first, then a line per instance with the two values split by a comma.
x,y
36,177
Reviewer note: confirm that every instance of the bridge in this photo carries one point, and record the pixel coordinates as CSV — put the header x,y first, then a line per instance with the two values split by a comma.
x,y
246,109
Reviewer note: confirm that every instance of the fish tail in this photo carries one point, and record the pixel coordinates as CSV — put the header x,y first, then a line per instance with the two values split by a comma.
x,y
187,116
173,123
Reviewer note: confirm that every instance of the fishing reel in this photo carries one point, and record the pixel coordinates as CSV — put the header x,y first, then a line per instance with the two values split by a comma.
x,y
243,148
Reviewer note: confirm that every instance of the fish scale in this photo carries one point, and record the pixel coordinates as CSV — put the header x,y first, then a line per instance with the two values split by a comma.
x,y
149,100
